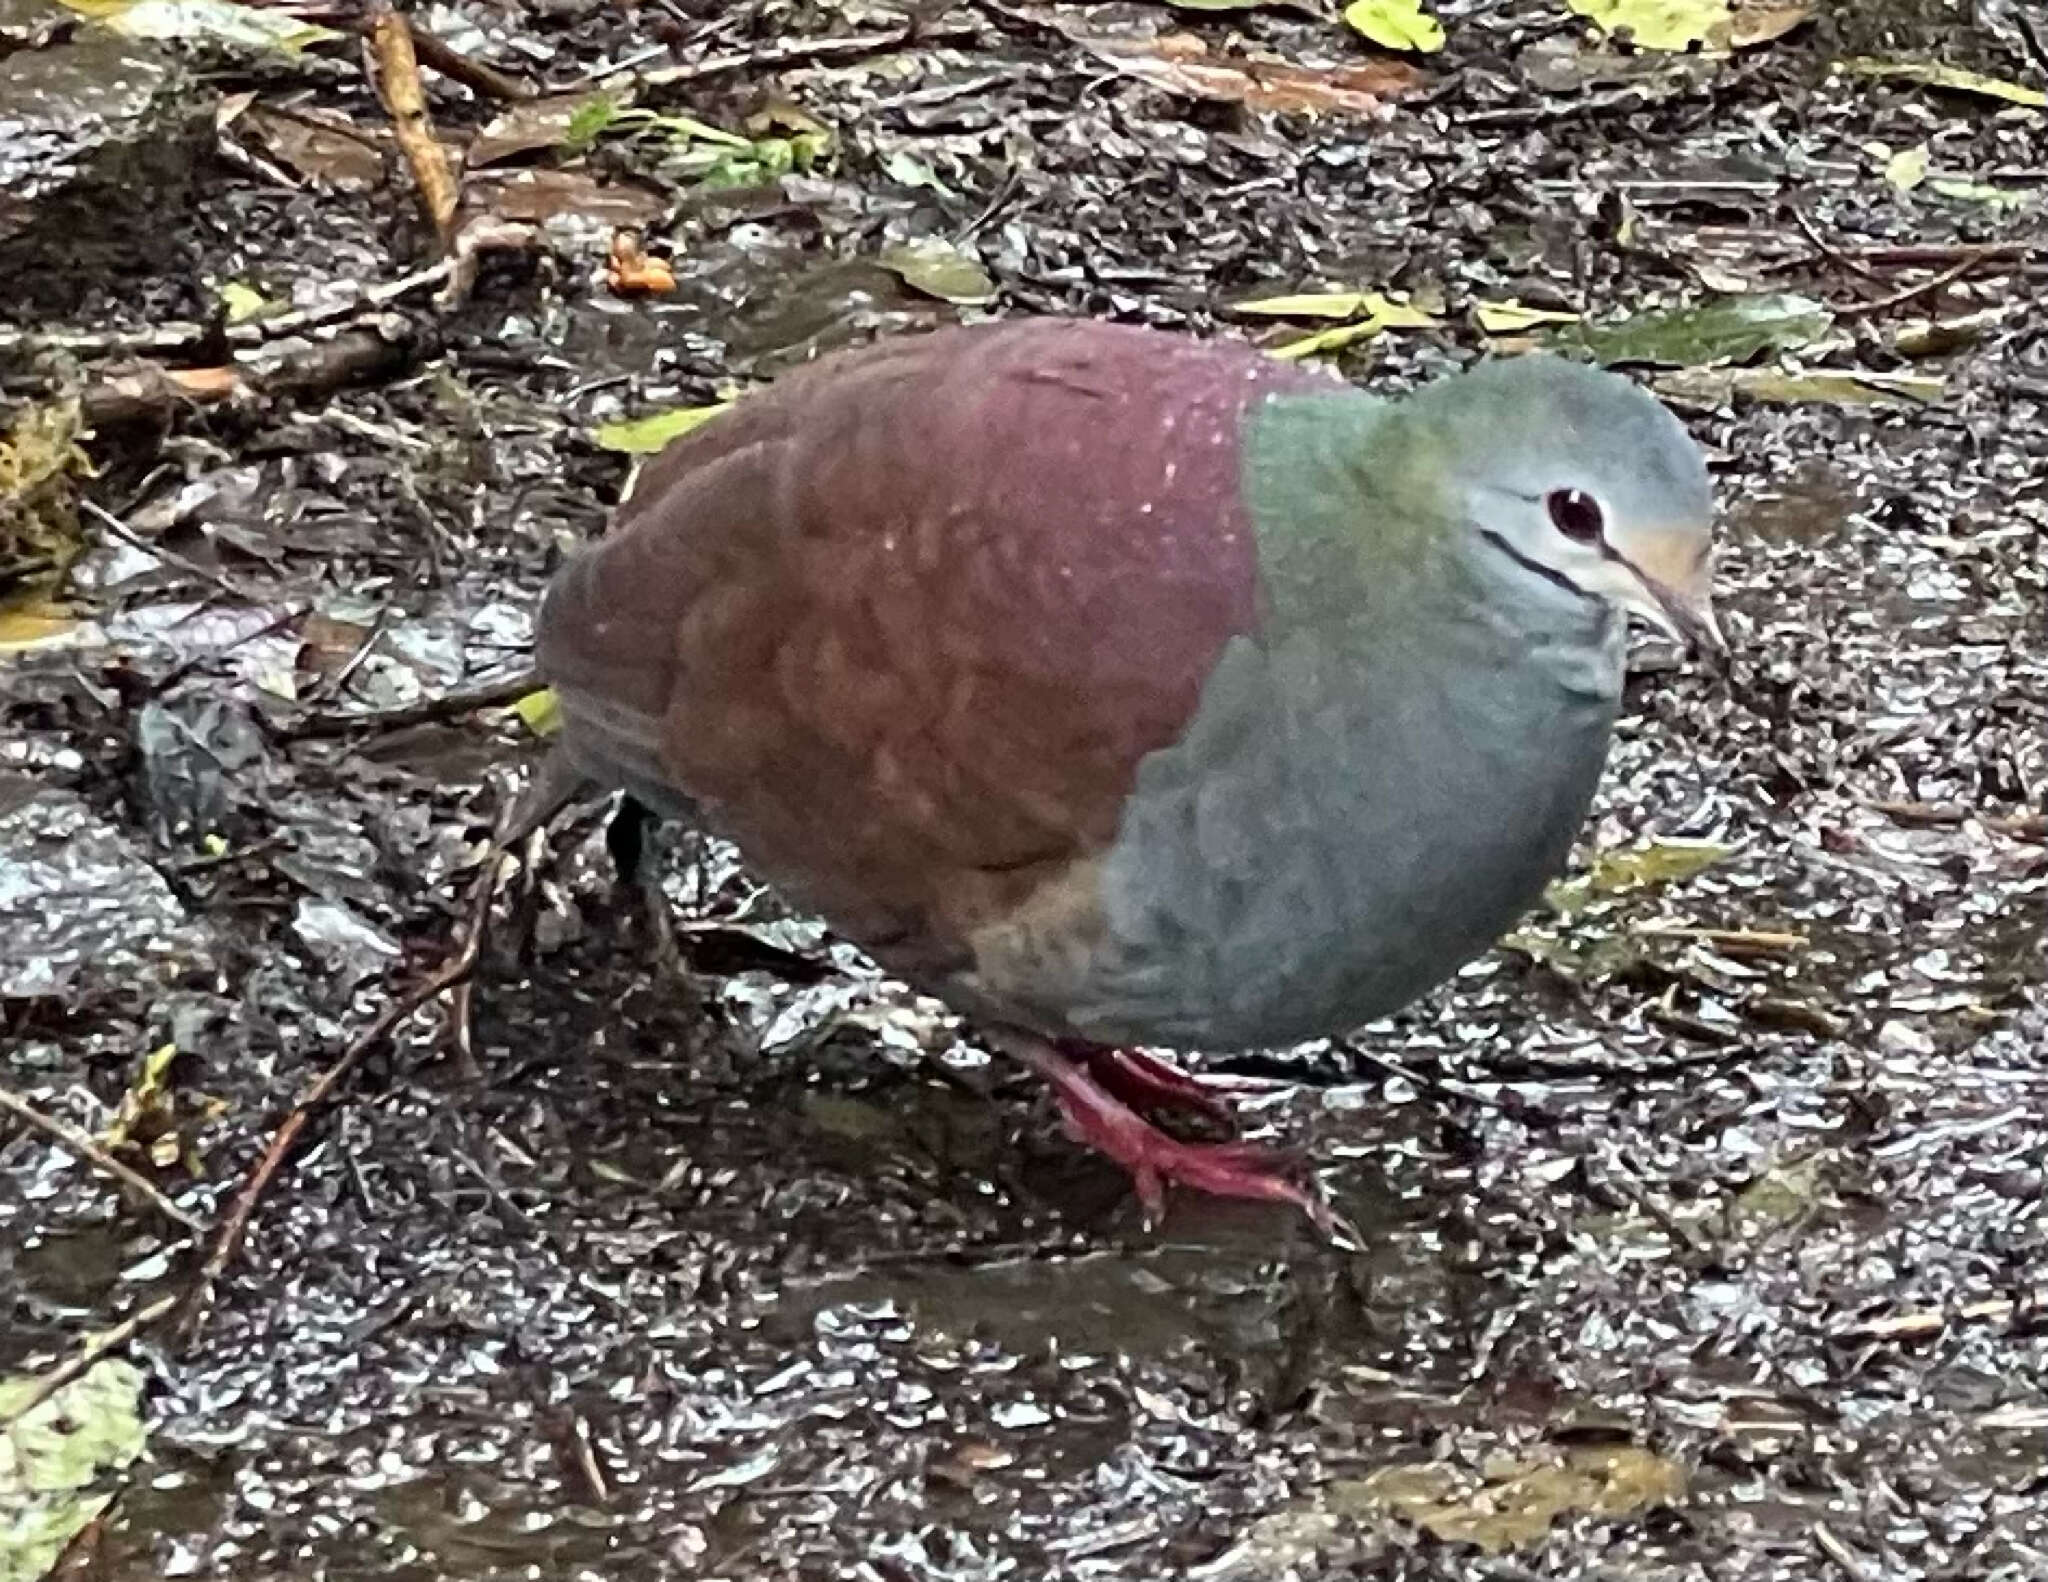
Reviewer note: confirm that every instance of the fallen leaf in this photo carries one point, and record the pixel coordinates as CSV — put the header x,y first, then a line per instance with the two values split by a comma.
x,y
1754,25
536,124
31,621
642,436
1978,192
939,270
319,145
53,1456
1181,63
534,197
629,268
1396,24
243,303
1906,169
540,711
1371,312
1952,78
1670,25
1654,863
217,20
1827,387
1514,1506
1511,318
1728,329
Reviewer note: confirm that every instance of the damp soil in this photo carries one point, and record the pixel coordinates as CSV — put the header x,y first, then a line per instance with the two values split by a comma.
x,y
1712,1215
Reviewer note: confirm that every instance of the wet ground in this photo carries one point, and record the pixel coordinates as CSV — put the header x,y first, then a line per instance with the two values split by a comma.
x,y
1702,1229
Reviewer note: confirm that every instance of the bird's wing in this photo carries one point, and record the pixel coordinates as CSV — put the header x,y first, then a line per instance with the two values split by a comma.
x,y
904,625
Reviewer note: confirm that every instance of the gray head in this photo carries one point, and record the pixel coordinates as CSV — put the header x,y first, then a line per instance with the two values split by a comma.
x,y
1581,478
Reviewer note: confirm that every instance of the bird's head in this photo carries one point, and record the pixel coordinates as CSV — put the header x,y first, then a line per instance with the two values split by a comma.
x,y
1577,476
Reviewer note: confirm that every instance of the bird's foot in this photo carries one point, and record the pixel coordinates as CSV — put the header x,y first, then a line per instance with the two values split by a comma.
x,y
1084,1081
1144,1082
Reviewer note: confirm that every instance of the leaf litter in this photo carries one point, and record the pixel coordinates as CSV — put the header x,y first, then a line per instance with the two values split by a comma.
x,y
1750,1199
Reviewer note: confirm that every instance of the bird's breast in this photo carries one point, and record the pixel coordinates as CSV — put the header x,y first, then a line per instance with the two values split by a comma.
x,y
1339,830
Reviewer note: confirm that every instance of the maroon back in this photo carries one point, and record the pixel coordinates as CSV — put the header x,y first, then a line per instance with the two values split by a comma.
x,y
904,624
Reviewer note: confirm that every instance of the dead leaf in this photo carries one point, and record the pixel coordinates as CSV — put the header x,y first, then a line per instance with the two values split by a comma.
x,y
533,197
534,125
1514,1506
1182,63
1512,318
319,146
630,268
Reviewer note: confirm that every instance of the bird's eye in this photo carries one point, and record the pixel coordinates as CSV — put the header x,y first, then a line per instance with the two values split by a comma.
x,y
1576,514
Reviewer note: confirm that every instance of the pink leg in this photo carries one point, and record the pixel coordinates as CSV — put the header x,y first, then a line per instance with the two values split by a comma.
x,y
1146,1083
1099,1118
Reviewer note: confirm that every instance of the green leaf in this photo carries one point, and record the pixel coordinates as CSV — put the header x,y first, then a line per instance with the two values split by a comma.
x,y
540,711
1952,78
1729,329
1310,305
1977,192
1396,24
1635,868
1906,169
642,436
52,1456
242,303
1846,387
939,270
1674,25
591,120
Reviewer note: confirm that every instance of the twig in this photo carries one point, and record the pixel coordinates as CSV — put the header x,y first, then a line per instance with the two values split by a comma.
x,y
235,1224
486,81
399,87
796,52
1839,1552
69,1136
1732,941
450,705
170,557
1937,283
151,393
1948,253
1920,1323
181,334
1826,249
2031,37
81,1360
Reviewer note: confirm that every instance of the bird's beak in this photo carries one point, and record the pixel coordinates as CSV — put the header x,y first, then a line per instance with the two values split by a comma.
x,y
1677,588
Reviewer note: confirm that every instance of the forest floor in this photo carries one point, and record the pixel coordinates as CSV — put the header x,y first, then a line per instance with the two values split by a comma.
x,y
1702,1225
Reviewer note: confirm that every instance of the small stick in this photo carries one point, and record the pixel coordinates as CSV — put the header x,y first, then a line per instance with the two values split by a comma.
x,y
1940,282
403,96
81,1360
485,81
235,1224
1826,249
450,705
69,1136
1736,941
1839,1552
792,52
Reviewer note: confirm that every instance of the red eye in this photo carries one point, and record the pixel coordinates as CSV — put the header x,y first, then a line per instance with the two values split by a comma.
x,y
1576,514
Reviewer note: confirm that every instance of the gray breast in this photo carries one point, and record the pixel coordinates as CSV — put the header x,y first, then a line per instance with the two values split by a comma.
x,y
1340,830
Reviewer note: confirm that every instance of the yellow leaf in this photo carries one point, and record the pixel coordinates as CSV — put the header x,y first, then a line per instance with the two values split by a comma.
x,y
1327,340
242,302
1906,169
25,623
1674,25
1953,78
1310,305
541,711
1396,24
1511,318
642,436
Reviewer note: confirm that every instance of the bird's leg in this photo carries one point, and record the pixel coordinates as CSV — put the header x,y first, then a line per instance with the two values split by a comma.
x,y
627,839
1099,1118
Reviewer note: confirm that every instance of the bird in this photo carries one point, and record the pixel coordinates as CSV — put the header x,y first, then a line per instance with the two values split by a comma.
x,y
1134,692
